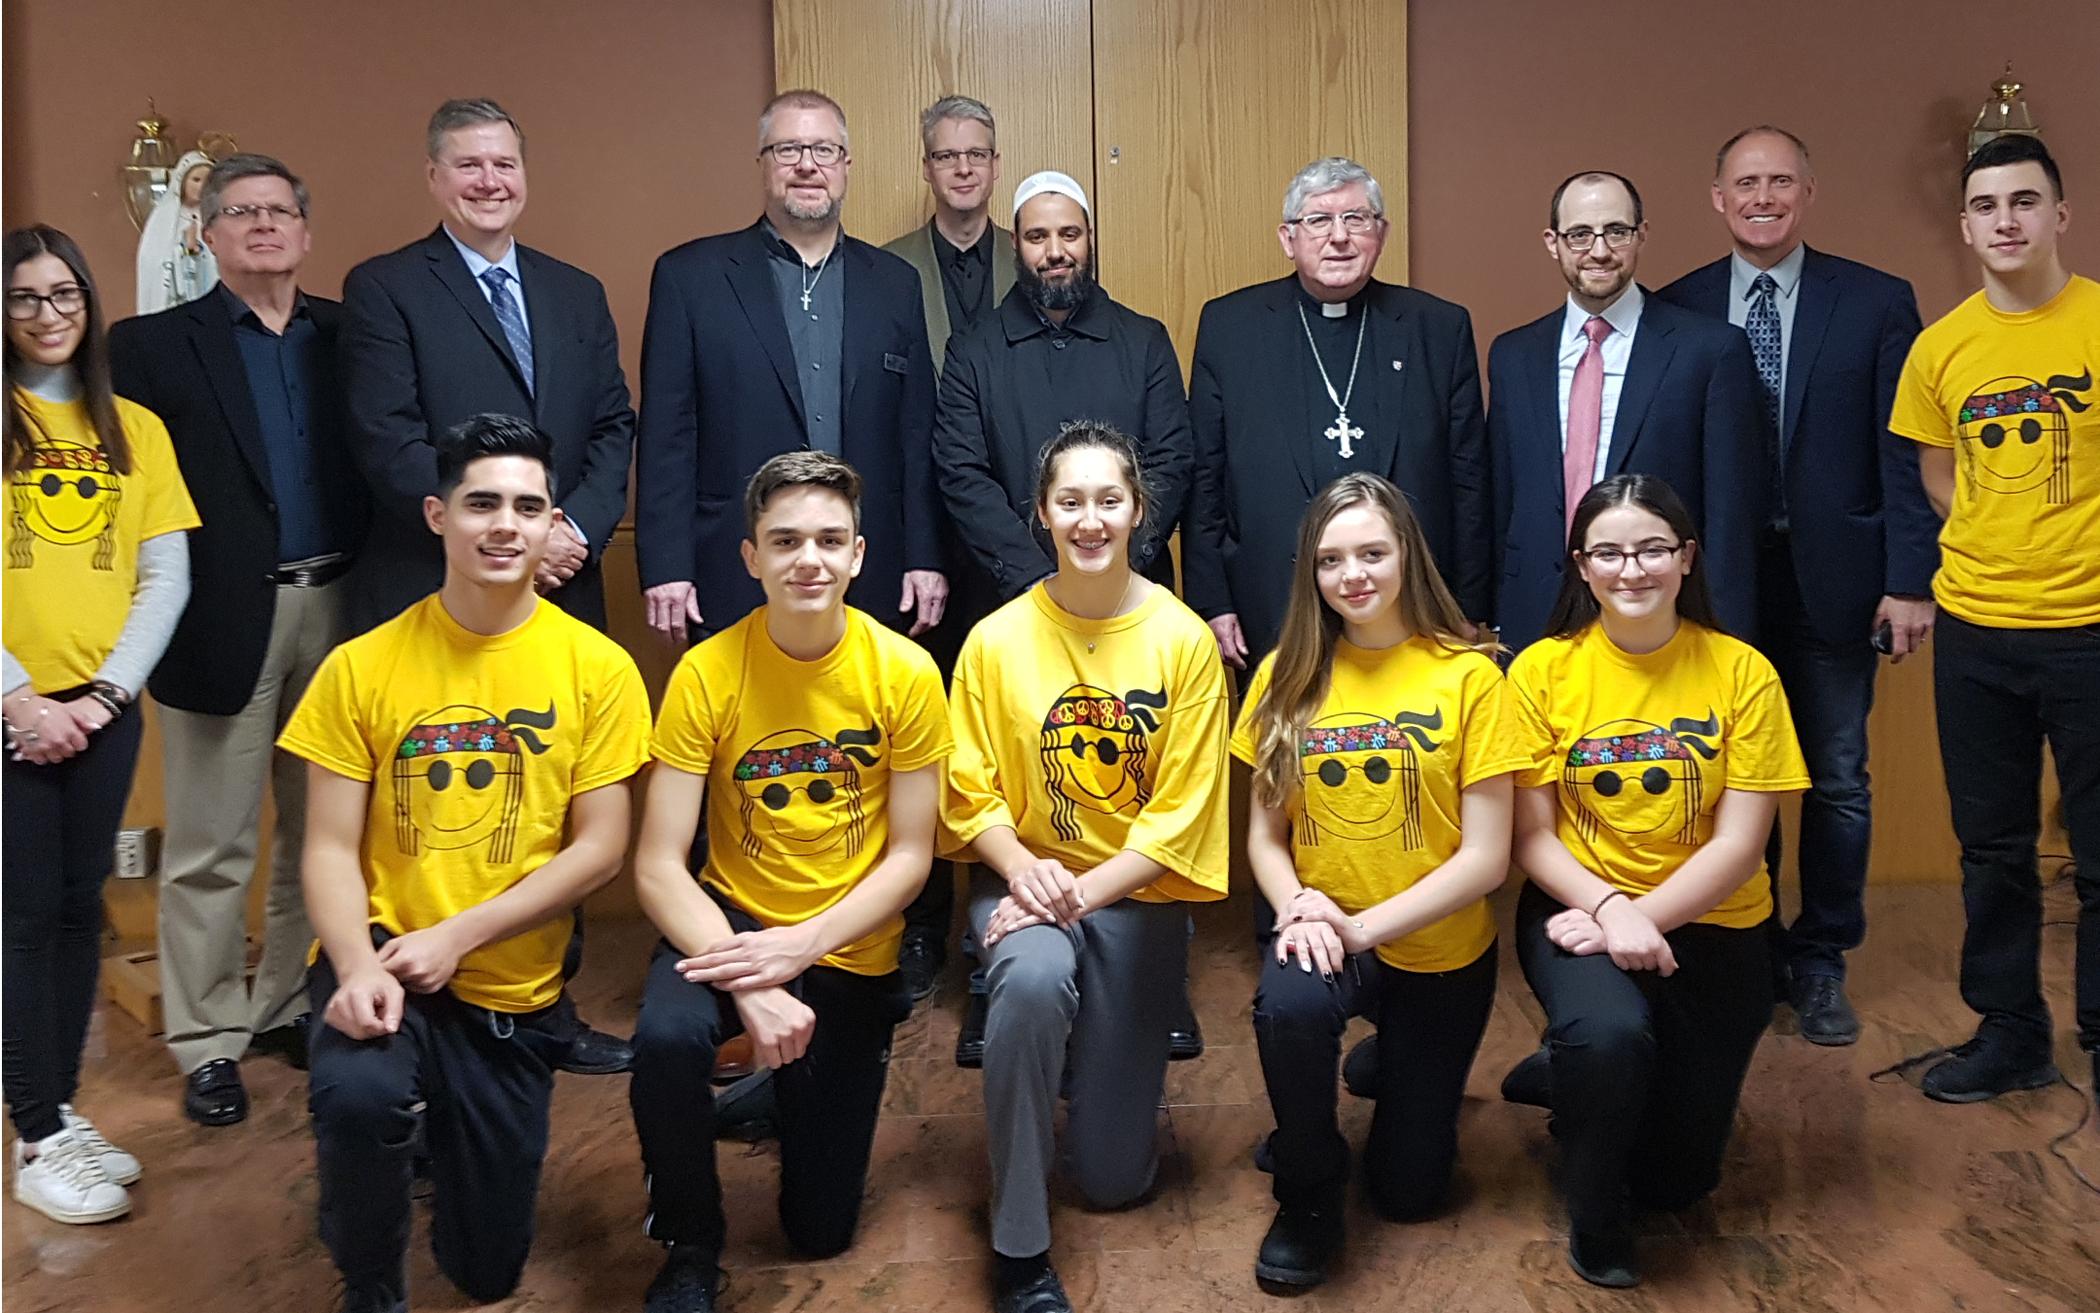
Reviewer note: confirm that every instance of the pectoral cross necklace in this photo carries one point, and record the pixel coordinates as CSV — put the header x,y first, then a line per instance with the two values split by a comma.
x,y
1341,431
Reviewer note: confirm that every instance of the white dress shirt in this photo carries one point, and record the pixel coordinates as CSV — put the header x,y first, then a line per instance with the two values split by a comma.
x,y
1624,316
1786,275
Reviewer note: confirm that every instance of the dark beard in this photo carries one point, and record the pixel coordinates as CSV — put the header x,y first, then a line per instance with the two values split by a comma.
x,y
1046,297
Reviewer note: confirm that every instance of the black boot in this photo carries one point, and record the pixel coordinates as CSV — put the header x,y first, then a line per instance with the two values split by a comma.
x,y
969,1041
685,1284
1300,1248
1028,1285
1530,1082
1603,1260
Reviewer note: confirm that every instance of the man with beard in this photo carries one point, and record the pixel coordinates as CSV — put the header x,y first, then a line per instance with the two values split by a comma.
x,y
781,336
1617,382
1058,349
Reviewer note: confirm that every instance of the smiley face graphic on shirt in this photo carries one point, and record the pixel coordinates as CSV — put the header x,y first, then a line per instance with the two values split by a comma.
x,y
1640,778
66,495
2014,434
799,793
459,778
1094,747
1362,775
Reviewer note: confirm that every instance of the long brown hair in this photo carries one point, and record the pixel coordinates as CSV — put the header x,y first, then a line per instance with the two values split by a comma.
x,y
1304,664
1576,608
90,360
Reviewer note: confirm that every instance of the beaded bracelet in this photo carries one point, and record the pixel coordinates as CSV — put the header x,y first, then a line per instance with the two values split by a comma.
x,y
1616,893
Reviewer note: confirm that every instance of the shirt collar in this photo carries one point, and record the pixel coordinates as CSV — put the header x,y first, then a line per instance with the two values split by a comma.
x,y
981,248
778,247
243,313
1787,273
1023,320
1624,314
477,264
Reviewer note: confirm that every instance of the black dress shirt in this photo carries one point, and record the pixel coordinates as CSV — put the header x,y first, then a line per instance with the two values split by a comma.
x,y
816,334
288,375
966,277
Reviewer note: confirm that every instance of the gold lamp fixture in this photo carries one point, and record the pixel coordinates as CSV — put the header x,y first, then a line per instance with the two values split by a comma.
x,y
2005,111
146,174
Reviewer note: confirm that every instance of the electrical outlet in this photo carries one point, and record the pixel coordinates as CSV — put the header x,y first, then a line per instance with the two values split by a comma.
x,y
138,854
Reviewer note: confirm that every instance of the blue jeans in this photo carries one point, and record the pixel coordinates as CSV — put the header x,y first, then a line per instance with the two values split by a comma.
x,y
1830,688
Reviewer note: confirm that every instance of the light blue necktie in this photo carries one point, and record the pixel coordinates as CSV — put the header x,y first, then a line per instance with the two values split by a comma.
x,y
513,320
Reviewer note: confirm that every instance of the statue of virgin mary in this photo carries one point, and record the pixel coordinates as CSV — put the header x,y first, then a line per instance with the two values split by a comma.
x,y
175,266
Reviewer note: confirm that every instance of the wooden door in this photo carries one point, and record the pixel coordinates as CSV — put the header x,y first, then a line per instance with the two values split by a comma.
x,y
886,60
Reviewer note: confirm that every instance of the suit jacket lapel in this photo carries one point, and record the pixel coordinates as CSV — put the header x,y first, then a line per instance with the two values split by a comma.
x,y
752,282
1540,361
211,336
1002,263
861,337
451,270
1652,349
1816,299
933,297
547,340
1381,390
1303,378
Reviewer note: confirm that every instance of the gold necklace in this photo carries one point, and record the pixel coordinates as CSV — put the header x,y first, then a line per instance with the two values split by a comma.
x,y
1127,586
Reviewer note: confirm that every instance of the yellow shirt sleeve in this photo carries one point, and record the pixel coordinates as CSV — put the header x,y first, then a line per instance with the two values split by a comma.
x,y
1497,741
327,726
972,797
1185,825
1763,754
685,728
1244,743
920,736
1918,413
616,730
1526,700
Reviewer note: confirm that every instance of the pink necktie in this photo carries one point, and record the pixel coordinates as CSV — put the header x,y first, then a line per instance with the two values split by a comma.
x,y
1585,418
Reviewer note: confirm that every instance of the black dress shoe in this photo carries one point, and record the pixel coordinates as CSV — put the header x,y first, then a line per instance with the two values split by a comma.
x,y
969,1041
287,1041
595,1053
1360,1068
1530,1082
213,1094
1986,1067
1028,1285
749,1110
1300,1248
686,1283
1825,1014
1185,1041
1603,1260
920,957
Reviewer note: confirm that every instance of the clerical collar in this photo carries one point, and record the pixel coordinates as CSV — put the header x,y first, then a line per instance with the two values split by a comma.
x,y
1331,309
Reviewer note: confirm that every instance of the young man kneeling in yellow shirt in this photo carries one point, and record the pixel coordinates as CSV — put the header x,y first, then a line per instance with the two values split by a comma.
x,y
451,750
814,734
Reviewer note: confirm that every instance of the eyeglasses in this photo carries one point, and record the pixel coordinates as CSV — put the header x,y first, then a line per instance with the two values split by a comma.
x,y
1319,223
948,159
255,213
823,154
1106,751
1333,773
87,485
776,796
67,301
478,775
1617,236
1652,556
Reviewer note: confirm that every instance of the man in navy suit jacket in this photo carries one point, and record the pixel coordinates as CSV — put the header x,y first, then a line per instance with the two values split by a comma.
x,y
1850,544
426,343
1679,402
782,336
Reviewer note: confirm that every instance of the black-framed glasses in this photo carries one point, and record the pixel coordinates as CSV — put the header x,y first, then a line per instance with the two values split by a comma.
x,y
823,154
87,485
1334,773
1106,750
1319,223
1653,781
255,213
1611,557
777,795
68,301
477,774
948,159
1617,236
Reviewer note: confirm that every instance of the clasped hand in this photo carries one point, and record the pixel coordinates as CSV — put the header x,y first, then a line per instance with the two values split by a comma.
x,y
1619,928
1041,892
368,1002
1318,931
754,959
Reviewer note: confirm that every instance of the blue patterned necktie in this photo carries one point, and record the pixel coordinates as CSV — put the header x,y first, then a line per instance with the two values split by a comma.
x,y
513,321
1762,324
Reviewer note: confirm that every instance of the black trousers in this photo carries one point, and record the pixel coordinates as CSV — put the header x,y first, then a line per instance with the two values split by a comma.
x,y
2000,694
1429,1029
59,841
1646,1069
471,1087
828,1100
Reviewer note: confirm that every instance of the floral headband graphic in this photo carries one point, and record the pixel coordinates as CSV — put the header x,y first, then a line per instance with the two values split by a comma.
x,y
1373,735
815,756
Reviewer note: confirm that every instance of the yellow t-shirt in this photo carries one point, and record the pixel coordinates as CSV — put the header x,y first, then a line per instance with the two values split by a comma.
x,y
1088,737
2017,397
799,811
473,746
1642,747
74,527
1402,734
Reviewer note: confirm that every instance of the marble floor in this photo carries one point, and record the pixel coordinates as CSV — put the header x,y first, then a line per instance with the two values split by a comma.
x,y
1841,1194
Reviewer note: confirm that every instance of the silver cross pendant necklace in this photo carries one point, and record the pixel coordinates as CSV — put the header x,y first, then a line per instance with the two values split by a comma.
x,y
809,284
1341,430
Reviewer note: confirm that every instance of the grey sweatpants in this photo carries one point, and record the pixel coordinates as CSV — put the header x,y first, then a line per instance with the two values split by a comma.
x,y
1099,998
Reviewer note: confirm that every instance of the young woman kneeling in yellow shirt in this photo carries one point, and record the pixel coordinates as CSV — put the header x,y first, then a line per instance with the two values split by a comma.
x,y
1382,742
1088,783
1662,744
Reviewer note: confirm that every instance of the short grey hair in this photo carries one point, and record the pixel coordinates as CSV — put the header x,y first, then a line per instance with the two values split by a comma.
x,y
1324,175
236,167
955,107
456,114
800,98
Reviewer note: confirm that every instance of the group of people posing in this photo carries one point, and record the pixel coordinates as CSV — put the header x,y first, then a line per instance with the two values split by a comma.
x,y
912,509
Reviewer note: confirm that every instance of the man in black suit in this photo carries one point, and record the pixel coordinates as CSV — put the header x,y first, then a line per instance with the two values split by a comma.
x,y
781,336
464,322
245,379
1281,366
1611,382
1850,543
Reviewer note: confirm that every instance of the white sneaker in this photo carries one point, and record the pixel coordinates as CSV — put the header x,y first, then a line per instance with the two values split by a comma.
x,y
65,1182
117,1165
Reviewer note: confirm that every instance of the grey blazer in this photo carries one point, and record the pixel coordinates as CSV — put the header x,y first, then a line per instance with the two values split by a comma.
x,y
916,249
